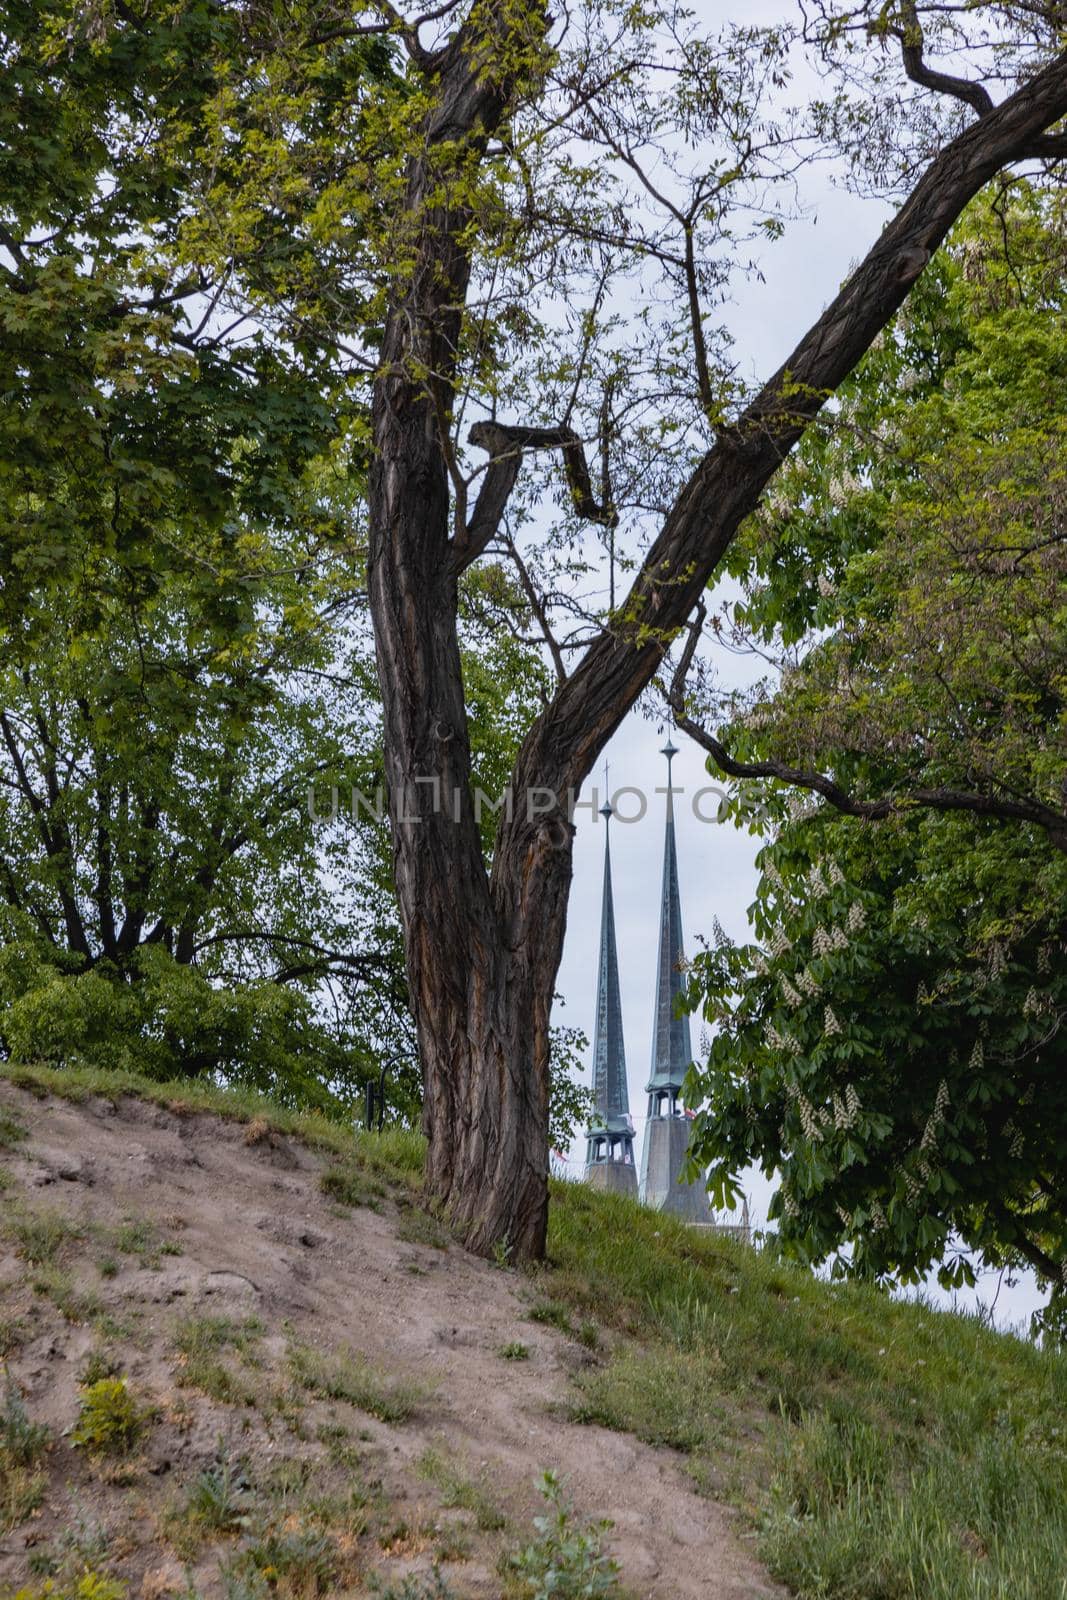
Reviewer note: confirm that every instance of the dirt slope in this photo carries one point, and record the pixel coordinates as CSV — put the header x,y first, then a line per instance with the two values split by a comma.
x,y
193,1254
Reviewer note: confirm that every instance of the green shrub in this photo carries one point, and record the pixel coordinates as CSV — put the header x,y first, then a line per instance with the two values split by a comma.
x,y
221,1497
88,1585
164,1019
109,1420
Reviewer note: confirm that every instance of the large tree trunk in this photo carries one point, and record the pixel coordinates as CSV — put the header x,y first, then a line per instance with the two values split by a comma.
x,y
481,957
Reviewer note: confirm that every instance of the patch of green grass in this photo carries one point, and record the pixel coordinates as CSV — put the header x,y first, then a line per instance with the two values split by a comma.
x,y
552,1313
665,1397
345,1376
75,1305
459,1492
12,1131
420,1227
453,1545
201,1342
22,1492
140,1237
39,1236
13,1334
350,1186
843,1522
97,1364
23,1447
514,1351
415,1586
22,1442
294,1560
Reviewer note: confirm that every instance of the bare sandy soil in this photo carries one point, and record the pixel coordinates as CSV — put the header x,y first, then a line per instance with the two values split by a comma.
x,y
241,1231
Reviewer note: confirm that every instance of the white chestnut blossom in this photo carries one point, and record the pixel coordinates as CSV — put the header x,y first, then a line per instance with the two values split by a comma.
x,y
792,998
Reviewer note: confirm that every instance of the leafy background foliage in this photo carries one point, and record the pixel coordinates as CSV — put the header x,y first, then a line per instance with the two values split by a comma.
x,y
893,1042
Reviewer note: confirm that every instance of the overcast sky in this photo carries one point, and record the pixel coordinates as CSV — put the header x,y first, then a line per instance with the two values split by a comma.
x,y
801,274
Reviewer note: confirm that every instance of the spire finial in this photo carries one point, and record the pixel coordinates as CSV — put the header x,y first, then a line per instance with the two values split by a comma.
x,y
606,809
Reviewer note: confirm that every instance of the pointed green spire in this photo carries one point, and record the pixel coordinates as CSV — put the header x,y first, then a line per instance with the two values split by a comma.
x,y
672,1050
610,1148
666,1141
610,1093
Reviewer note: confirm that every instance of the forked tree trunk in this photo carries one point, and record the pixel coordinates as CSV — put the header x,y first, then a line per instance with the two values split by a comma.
x,y
483,949
482,955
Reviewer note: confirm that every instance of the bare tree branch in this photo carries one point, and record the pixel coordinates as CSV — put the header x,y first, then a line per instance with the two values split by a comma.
x,y
932,799
506,446
911,49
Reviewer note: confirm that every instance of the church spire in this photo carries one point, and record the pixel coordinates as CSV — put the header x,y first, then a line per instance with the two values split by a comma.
x,y
610,1149
667,1129
671,1048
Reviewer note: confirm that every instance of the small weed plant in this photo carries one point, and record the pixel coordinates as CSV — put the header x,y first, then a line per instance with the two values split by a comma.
x,y
22,1442
567,1560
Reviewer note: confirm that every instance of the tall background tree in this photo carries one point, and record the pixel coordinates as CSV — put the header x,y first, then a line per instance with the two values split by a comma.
x,y
894,1046
189,699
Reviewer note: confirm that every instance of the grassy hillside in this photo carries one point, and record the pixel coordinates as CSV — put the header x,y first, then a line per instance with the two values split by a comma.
x,y
878,1450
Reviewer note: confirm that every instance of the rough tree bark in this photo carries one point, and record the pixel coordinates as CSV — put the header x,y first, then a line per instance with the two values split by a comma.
x,y
483,948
